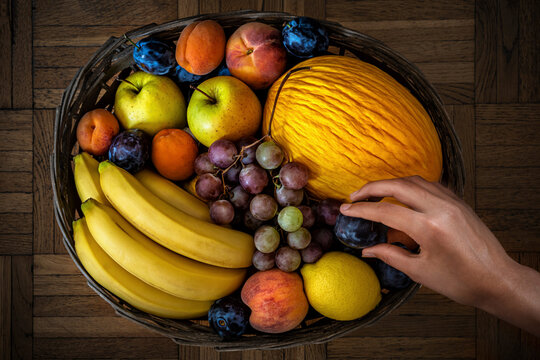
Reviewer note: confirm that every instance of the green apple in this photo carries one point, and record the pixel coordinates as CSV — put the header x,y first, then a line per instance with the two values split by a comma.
x,y
150,103
223,107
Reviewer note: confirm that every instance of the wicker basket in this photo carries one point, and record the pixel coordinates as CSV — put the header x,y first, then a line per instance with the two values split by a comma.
x,y
94,87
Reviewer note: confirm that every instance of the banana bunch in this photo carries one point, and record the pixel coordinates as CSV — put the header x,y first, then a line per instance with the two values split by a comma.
x,y
152,243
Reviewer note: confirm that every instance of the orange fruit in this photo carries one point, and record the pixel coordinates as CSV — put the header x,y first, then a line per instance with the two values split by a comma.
x,y
173,154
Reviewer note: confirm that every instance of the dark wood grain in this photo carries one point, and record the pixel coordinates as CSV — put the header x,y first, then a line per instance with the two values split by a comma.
x,y
529,51
486,51
187,8
5,307
465,125
507,51
16,244
105,348
69,306
5,60
16,181
46,235
59,57
22,53
21,307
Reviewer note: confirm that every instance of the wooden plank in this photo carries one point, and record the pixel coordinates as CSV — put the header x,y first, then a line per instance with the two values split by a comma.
x,y
434,51
273,5
5,60
297,352
188,352
401,347
507,199
508,114
420,326
105,348
209,6
75,36
47,98
16,140
45,228
141,12
523,156
486,51
5,307
486,336
314,9
490,134
529,52
231,5
417,31
16,244
15,203
316,351
530,344
503,220
16,119
53,78
62,56
54,265
456,93
21,309
16,181
17,223
433,304
88,327
55,285
448,73
519,239
507,177
465,125
187,8
16,161
81,306
208,353
22,53
507,51
381,10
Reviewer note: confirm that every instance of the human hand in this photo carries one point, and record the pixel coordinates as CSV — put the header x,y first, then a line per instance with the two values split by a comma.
x,y
459,256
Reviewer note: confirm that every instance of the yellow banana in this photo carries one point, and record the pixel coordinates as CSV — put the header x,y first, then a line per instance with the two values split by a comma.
x,y
86,176
172,228
173,194
154,264
128,287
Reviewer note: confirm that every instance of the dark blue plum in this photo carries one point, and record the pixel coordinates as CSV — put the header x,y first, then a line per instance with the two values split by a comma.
x,y
183,76
229,317
130,150
223,70
154,56
389,277
305,37
359,233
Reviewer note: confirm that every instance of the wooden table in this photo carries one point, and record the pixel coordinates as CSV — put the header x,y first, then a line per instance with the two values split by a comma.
x,y
484,59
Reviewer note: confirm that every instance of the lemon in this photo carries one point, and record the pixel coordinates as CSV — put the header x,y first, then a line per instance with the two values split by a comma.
x,y
341,286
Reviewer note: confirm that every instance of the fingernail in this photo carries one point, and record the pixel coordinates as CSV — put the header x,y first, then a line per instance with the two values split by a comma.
x,y
345,207
354,194
368,254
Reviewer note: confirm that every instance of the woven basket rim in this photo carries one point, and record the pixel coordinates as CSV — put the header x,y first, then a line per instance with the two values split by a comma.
x,y
332,329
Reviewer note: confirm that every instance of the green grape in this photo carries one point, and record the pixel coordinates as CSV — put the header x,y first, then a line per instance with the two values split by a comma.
x,y
266,239
269,155
290,218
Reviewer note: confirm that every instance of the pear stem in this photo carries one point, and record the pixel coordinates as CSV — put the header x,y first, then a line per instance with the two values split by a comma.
x,y
208,96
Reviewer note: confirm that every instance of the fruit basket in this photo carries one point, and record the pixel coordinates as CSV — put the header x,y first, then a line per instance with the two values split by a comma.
x,y
94,86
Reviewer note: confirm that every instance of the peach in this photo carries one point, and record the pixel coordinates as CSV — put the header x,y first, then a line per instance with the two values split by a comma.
x,y
96,130
255,54
394,235
201,47
276,299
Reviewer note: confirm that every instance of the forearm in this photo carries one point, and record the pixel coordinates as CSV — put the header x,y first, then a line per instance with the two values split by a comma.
x,y
518,300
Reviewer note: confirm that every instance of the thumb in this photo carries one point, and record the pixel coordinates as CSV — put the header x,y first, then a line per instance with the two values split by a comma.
x,y
394,256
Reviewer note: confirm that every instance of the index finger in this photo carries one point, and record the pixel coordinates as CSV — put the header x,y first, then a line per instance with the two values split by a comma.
x,y
407,192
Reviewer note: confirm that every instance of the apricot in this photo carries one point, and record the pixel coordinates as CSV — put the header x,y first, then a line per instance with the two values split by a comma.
x,y
255,54
96,130
173,154
276,299
201,47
